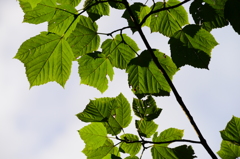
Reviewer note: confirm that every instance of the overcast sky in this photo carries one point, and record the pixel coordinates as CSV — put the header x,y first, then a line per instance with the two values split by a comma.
x,y
40,122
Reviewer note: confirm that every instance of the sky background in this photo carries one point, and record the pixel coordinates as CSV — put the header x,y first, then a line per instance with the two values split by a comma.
x,y
40,122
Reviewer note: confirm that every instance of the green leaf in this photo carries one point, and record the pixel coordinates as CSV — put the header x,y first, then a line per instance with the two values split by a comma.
x,y
232,13
116,5
184,152
168,135
132,157
120,50
206,16
229,150
146,128
84,38
98,110
162,152
131,147
93,70
33,3
47,57
120,116
94,135
169,21
101,152
139,11
192,45
73,3
145,78
64,21
42,13
97,8
146,109
232,131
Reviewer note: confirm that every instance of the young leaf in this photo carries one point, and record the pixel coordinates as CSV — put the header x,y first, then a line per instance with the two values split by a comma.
x,y
64,20
93,70
42,13
97,8
120,116
47,57
94,135
145,78
33,3
169,21
192,45
229,150
97,110
232,12
146,128
140,11
120,50
184,152
84,38
73,3
146,109
207,16
131,147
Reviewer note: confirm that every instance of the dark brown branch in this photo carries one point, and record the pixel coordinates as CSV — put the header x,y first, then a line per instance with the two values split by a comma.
x,y
178,97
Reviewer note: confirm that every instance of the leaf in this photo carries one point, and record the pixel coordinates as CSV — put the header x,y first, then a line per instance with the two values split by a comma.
x,y
232,13
47,57
100,152
168,135
229,150
94,135
64,21
97,8
120,116
42,13
207,16
33,3
93,70
84,38
146,128
184,152
132,157
192,45
116,5
169,21
146,109
232,131
145,78
98,110
73,3
120,50
131,148
161,152
139,11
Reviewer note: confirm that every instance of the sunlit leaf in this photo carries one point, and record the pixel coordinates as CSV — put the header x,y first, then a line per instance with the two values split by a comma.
x,y
73,3
146,109
146,128
33,3
98,110
47,57
130,148
94,135
84,38
120,50
207,16
94,69
232,13
169,21
139,11
145,78
229,150
192,45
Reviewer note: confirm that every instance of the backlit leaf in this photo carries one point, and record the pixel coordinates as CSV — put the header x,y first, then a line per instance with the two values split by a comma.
x,y
145,78
116,5
169,21
47,57
229,150
232,13
33,3
162,152
130,148
98,110
94,135
146,128
94,69
73,3
192,45
120,50
132,157
84,38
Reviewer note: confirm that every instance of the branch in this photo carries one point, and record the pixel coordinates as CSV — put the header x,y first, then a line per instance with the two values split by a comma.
x,y
178,97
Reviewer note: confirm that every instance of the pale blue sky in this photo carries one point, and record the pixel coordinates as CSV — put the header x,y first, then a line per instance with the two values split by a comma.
x,y
40,123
